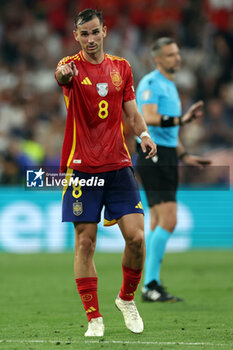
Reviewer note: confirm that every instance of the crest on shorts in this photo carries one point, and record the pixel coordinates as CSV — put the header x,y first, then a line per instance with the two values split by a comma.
x,y
77,208
102,89
116,79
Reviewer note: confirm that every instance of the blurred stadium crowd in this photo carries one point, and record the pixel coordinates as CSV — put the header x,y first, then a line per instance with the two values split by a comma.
x,y
36,34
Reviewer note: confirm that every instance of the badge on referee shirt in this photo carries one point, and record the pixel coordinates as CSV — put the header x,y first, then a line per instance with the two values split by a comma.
x,y
146,95
102,89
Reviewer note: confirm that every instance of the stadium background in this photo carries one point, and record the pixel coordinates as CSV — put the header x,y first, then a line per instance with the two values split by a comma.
x,y
35,35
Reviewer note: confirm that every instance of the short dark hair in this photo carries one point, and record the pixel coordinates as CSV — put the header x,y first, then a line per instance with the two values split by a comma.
x,y
86,16
159,43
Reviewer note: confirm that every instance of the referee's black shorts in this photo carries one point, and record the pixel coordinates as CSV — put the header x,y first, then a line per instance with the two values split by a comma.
x,y
159,175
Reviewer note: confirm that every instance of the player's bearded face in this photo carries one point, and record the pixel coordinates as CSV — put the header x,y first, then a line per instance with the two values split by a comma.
x,y
170,58
90,36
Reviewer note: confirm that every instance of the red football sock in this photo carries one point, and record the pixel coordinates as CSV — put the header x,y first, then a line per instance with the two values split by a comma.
x,y
131,279
87,288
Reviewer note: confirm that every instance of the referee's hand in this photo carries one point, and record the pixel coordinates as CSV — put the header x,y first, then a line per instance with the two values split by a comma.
x,y
194,112
148,145
198,161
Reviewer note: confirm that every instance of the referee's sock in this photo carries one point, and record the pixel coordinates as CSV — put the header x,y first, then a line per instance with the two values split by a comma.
x,y
156,245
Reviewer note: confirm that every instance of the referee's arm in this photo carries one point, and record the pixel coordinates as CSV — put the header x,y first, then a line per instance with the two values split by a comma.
x,y
152,117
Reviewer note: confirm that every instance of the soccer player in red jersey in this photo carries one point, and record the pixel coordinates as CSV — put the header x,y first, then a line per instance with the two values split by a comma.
x,y
97,87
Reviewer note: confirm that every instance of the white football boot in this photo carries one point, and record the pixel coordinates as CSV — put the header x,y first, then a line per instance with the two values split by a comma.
x,y
95,327
133,320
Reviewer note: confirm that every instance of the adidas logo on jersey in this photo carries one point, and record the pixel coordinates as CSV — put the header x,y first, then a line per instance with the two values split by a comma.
x,y
86,81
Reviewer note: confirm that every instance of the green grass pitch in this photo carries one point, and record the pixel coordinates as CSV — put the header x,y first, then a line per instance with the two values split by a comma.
x,y
40,307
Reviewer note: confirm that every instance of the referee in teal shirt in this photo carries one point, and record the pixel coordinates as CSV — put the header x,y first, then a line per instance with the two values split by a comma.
x,y
158,101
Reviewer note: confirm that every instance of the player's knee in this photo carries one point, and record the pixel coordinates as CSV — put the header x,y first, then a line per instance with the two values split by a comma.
x,y
86,245
136,243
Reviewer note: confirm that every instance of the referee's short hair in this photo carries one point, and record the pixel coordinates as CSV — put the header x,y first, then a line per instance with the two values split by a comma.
x,y
159,43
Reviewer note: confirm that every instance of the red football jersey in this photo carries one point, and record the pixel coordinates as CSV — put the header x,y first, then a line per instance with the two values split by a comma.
x,y
94,139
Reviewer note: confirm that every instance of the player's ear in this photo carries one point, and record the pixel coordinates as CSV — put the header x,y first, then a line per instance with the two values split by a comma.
x,y
104,31
75,35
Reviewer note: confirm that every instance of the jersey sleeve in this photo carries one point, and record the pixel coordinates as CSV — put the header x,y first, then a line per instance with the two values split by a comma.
x,y
129,93
148,92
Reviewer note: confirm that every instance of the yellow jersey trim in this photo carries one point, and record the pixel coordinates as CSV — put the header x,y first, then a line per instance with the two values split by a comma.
x,y
66,101
68,58
82,56
123,137
116,58
70,171
73,145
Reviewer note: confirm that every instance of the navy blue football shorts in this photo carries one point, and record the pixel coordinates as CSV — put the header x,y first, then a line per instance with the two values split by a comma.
x,y
86,194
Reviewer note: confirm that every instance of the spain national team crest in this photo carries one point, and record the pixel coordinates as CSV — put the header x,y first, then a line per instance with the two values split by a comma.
x,y
116,79
102,89
77,208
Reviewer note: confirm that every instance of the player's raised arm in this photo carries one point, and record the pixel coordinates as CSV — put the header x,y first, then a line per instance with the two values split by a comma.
x,y
66,72
139,127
